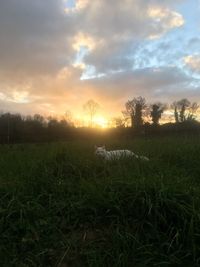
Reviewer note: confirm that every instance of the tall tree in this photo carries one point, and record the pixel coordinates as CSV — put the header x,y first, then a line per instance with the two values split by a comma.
x,y
193,111
183,104
156,112
184,110
91,107
68,117
135,109
174,106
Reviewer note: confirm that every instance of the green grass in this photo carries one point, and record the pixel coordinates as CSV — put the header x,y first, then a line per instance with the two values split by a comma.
x,y
60,206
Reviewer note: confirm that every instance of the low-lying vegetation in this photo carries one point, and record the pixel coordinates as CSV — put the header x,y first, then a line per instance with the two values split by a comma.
x,y
61,206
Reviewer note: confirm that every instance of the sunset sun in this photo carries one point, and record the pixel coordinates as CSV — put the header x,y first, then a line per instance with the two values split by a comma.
x,y
101,122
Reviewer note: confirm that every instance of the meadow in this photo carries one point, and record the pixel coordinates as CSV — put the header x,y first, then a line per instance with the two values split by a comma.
x,y
61,206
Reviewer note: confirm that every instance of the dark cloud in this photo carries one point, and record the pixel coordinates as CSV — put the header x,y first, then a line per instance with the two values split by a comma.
x,y
151,82
34,36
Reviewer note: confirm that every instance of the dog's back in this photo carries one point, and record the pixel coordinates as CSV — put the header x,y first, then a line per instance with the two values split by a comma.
x,y
116,154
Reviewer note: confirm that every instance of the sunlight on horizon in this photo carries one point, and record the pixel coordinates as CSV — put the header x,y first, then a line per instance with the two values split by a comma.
x,y
99,121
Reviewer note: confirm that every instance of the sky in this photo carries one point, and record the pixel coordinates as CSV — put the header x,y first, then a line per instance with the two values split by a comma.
x,y
55,55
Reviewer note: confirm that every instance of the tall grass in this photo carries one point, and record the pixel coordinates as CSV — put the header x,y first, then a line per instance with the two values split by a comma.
x,y
60,206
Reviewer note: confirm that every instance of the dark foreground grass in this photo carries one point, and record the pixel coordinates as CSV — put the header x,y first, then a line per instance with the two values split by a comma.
x,y
60,206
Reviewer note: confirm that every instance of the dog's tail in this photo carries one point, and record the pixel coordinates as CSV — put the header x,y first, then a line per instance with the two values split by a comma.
x,y
144,158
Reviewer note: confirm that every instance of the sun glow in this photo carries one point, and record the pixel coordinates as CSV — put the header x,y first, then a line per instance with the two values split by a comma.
x,y
100,121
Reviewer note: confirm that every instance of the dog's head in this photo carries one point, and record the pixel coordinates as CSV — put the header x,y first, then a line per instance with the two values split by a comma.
x,y
100,150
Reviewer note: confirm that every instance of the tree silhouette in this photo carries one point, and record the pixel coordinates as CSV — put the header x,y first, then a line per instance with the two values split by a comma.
x,y
134,109
156,113
68,117
184,110
192,111
174,106
91,107
183,104
118,122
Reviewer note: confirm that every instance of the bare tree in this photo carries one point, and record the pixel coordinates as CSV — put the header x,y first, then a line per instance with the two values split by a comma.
x,y
134,110
91,107
69,118
174,106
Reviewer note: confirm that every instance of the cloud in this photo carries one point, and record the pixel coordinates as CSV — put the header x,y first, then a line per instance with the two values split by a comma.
x,y
117,27
164,20
34,36
76,6
145,82
193,62
39,38
47,46
66,92
83,40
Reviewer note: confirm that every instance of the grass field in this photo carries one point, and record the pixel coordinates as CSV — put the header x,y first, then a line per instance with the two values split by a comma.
x,y
60,206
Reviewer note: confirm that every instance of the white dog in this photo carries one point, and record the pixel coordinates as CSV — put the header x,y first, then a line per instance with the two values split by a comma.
x,y
116,154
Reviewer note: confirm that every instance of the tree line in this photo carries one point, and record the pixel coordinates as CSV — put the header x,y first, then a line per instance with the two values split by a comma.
x,y
17,128
138,110
138,117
